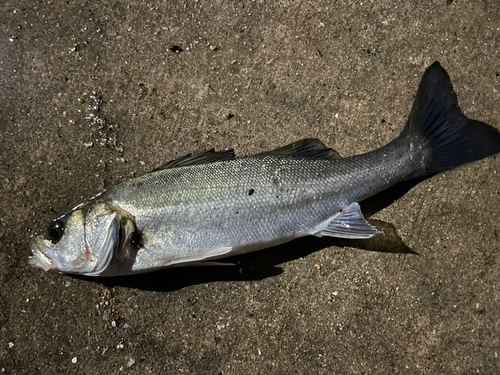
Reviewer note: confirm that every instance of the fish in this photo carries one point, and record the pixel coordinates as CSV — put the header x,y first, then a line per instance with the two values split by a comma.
x,y
211,205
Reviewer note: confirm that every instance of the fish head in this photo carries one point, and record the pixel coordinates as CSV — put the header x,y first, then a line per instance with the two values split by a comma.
x,y
81,242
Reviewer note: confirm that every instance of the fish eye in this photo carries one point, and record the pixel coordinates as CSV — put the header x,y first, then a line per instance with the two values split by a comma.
x,y
55,231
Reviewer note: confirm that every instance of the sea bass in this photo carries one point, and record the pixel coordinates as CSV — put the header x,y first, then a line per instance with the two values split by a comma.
x,y
213,205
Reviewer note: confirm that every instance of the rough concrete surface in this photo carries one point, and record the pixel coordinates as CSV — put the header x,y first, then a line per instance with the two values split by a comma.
x,y
91,95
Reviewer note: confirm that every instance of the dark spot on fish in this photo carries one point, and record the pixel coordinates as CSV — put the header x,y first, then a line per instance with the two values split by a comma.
x,y
251,191
498,74
136,239
341,210
175,48
237,212
230,116
382,121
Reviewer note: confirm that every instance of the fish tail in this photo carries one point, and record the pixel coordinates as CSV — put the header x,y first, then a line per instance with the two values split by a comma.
x,y
451,138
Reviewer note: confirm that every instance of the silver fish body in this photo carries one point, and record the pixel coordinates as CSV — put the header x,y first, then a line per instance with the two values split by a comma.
x,y
225,208
212,205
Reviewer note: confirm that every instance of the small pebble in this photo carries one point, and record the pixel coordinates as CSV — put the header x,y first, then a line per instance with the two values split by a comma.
x,y
131,362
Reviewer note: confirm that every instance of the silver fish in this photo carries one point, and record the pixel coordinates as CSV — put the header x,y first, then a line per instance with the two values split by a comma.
x,y
212,205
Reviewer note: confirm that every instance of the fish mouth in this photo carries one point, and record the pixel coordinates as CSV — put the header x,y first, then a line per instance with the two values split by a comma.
x,y
42,256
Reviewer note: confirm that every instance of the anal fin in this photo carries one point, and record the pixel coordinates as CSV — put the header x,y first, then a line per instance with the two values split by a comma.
x,y
350,223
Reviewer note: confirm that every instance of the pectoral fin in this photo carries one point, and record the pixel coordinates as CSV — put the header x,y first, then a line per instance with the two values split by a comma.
x,y
196,259
349,223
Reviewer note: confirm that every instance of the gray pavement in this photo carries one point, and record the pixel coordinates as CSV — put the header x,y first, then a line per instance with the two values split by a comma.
x,y
91,94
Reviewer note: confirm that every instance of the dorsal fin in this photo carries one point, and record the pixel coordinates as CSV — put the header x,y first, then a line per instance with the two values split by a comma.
x,y
210,156
305,148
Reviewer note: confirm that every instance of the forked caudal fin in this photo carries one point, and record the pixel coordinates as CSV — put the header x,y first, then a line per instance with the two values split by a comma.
x,y
454,138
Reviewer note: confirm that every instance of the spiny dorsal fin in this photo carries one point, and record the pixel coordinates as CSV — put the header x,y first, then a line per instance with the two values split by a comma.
x,y
306,148
210,156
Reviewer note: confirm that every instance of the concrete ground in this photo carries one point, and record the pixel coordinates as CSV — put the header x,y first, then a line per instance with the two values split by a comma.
x,y
92,94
